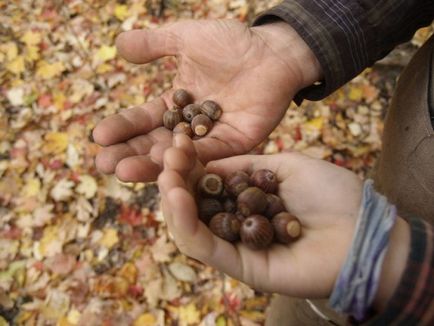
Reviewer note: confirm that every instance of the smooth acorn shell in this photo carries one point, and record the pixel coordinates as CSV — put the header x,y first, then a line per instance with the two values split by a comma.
x,y
252,201
201,125
210,185
226,226
256,232
183,128
229,205
274,206
265,180
171,118
182,98
211,109
208,207
237,182
190,111
287,227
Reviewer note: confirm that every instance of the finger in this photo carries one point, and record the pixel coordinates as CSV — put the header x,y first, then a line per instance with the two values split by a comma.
x,y
130,123
184,143
139,168
176,159
194,239
142,46
281,164
107,159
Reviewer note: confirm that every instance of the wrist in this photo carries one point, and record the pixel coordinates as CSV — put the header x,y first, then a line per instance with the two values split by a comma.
x,y
287,44
394,263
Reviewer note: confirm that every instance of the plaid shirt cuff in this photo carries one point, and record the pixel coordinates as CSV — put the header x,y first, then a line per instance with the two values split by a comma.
x,y
348,36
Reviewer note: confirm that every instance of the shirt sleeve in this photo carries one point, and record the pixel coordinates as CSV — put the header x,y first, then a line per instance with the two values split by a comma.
x,y
413,301
348,35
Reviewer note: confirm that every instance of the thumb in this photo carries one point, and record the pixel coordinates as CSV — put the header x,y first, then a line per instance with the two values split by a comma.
x,y
142,46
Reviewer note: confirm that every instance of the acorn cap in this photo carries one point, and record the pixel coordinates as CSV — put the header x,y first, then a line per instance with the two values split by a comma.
x,y
210,185
201,125
287,227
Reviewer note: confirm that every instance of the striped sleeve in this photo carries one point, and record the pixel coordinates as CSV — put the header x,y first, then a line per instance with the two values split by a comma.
x,y
348,35
413,301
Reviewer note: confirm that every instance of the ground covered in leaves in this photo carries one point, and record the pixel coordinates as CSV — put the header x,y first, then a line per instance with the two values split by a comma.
x,y
80,248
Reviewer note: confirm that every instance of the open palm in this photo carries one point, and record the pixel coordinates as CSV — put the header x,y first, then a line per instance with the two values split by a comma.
x,y
221,60
324,197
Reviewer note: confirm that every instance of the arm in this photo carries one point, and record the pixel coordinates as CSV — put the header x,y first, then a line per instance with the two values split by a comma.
x,y
406,293
348,36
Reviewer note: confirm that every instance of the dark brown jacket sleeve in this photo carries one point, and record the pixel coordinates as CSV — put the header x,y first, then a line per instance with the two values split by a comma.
x,y
347,35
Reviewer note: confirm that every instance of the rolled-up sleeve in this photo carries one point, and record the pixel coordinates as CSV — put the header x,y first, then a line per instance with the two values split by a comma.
x,y
348,36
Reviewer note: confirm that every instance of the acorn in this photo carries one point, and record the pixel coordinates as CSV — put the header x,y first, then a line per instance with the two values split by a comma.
x,y
265,179
229,205
252,201
211,109
286,227
237,182
226,226
208,207
210,185
274,206
256,232
182,98
201,124
183,128
190,111
171,118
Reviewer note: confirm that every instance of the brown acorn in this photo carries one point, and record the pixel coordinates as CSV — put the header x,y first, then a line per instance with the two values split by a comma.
x,y
171,118
229,205
226,226
211,109
201,124
183,128
252,201
190,111
274,206
182,98
237,182
286,227
265,179
210,185
256,232
208,207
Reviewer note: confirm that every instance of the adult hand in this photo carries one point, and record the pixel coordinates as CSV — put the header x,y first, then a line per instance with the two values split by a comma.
x,y
325,198
252,73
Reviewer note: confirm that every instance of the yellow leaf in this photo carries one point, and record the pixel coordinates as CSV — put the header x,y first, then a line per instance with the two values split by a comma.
x,y
49,70
103,68
121,12
64,322
146,319
10,50
256,316
106,53
109,238
3,322
16,66
74,316
31,38
189,314
315,124
59,100
55,142
355,94
87,186
221,321
32,187
129,272
31,53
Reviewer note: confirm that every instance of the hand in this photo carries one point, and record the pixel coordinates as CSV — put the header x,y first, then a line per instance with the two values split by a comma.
x,y
324,197
252,73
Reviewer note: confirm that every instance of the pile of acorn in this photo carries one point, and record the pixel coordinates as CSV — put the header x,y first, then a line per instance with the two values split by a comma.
x,y
246,207
190,118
